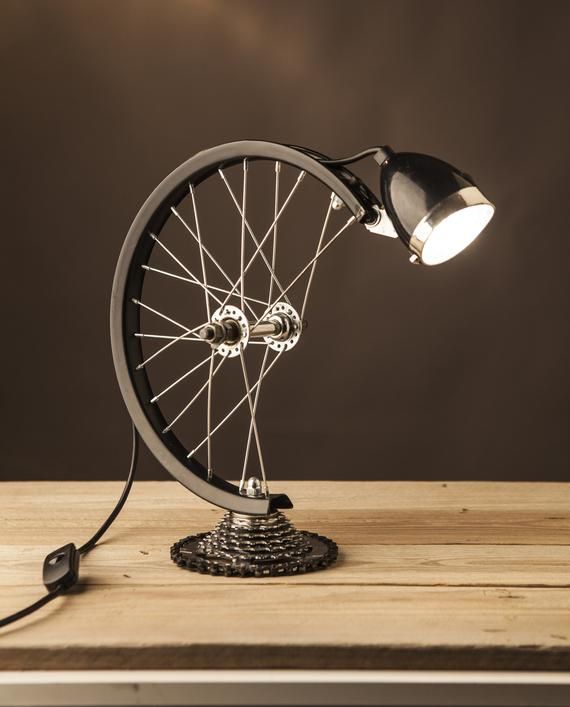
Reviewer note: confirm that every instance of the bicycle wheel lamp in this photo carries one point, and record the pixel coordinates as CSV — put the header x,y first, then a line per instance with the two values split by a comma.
x,y
224,307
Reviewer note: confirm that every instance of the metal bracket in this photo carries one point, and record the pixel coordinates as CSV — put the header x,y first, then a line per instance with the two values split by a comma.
x,y
382,226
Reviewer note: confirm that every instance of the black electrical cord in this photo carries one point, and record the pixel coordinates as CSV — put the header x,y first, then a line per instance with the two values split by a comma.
x,y
352,158
90,544
31,608
380,153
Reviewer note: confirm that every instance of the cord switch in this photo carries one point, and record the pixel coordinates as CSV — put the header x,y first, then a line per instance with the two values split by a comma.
x,y
61,568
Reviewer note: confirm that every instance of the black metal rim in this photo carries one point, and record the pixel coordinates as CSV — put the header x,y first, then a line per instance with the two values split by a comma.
x,y
128,282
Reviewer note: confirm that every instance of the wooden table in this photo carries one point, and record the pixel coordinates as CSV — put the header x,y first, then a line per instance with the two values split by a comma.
x,y
431,576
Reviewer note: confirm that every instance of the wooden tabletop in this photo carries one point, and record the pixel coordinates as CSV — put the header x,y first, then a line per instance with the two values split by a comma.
x,y
430,576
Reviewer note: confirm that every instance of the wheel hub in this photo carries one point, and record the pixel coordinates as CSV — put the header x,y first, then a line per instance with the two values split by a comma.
x,y
230,330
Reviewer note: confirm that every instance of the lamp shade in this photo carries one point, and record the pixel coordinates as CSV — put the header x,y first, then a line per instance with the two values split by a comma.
x,y
436,209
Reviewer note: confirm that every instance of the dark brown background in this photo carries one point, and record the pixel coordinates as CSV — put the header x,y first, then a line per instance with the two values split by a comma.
x,y
465,371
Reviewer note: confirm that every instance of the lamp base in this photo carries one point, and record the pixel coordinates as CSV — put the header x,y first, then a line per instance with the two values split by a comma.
x,y
254,546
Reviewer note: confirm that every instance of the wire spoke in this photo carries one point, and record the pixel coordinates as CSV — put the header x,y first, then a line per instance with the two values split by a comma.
x,y
182,337
318,254
236,406
198,394
314,265
187,331
242,244
194,281
274,239
256,399
203,264
178,380
140,335
251,233
209,414
214,261
266,236
350,221
253,420
270,295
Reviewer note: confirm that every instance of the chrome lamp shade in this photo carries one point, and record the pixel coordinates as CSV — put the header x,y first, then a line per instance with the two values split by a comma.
x,y
435,209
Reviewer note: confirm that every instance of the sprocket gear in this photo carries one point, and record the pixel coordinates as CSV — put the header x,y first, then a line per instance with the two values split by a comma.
x,y
254,546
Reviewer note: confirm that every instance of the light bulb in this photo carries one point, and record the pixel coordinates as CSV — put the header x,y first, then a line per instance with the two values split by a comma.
x,y
455,232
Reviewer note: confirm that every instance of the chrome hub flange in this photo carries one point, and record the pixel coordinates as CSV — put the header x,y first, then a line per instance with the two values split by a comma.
x,y
289,324
228,331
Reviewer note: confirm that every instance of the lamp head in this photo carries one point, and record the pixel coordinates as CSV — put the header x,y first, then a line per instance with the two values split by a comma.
x,y
436,210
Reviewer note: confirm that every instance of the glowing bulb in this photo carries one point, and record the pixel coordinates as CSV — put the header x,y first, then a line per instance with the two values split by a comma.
x,y
455,232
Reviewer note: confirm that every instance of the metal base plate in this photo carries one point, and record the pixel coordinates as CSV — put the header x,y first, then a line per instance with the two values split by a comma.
x,y
254,546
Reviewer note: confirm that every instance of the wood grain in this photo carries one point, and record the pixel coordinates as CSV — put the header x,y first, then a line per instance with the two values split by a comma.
x,y
431,575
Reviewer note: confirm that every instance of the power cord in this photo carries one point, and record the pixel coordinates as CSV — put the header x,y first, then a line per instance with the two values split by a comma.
x,y
380,153
61,567
353,158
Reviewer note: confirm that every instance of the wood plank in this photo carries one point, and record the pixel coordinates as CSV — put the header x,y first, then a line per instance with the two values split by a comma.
x,y
380,565
392,512
390,495
292,626
344,528
436,575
